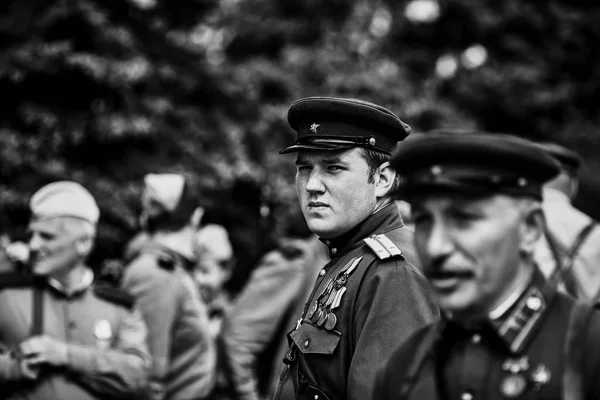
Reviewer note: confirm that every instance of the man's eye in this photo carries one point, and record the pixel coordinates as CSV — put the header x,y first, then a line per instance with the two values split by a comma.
x,y
334,168
302,167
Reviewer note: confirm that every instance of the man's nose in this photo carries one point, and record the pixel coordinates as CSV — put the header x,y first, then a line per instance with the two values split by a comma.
x,y
34,243
439,242
314,183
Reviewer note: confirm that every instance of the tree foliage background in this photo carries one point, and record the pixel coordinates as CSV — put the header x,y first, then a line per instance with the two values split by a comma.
x,y
105,91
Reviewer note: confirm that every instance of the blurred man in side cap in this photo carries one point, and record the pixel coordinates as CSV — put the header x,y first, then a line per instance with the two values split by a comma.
x,y
158,276
569,253
371,295
57,325
505,332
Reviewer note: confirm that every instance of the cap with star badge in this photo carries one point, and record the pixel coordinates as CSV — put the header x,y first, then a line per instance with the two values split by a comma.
x,y
478,163
332,123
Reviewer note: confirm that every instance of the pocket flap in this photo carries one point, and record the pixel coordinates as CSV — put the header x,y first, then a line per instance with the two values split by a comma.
x,y
312,340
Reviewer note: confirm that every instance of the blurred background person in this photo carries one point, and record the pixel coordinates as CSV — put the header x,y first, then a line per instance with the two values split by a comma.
x,y
212,270
253,340
569,252
158,277
62,334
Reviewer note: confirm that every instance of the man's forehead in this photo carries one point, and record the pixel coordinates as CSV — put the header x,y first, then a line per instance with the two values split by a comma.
x,y
460,200
52,225
327,155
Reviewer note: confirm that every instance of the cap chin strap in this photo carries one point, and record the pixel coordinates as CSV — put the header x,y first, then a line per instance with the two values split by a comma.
x,y
368,142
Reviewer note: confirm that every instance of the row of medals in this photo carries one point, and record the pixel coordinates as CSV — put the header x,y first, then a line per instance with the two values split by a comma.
x,y
321,312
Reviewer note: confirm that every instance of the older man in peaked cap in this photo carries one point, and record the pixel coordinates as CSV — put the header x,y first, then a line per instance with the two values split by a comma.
x,y
569,253
371,294
61,335
159,277
506,333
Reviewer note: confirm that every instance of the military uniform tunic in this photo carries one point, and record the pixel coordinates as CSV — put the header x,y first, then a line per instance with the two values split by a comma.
x,y
106,341
179,339
520,355
366,300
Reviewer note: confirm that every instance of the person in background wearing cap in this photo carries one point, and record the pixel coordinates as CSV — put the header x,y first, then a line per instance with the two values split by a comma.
x,y
158,276
371,295
506,333
62,336
569,252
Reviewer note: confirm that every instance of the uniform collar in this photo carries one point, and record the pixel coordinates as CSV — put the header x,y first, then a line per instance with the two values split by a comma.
x,y
86,281
518,324
159,250
384,220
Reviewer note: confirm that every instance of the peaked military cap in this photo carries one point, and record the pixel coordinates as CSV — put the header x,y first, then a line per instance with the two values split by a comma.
x,y
474,162
332,123
567,158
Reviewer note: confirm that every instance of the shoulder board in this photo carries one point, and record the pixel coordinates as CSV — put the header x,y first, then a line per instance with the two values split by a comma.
x,y
114,295
383,247
15,280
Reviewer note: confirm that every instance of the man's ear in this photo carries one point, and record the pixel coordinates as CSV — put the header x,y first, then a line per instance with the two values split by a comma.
x,y
84,245
384,179
196,218
532,228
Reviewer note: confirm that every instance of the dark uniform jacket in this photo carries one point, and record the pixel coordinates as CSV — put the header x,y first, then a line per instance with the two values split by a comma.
x,y
366,300
106,341
520,355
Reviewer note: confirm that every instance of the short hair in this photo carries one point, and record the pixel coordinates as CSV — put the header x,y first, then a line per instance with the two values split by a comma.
x,y
374,160
172,221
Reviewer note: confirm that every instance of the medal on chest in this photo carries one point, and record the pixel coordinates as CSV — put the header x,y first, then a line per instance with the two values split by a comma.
x,y
518,377
321,312
102,333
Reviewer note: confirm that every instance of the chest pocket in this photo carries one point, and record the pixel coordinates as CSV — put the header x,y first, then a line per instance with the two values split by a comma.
x,y
312,340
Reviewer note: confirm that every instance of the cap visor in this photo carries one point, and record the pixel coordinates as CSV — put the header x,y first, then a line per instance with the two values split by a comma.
x,y
319,146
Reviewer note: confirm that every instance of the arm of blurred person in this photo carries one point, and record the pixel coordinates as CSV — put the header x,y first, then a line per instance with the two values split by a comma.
x,y
119,371
157,294
257,313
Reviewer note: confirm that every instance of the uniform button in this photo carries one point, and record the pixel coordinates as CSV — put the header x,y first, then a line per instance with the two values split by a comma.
x,y
476,338
306,343
316,397
72,325
322,272
333,251
466,396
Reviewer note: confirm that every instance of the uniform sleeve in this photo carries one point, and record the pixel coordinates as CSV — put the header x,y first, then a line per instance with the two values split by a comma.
x,y
157,295
257,313
120,371
391,374
393,301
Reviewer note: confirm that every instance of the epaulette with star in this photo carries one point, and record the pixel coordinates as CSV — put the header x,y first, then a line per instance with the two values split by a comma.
x,y
383,247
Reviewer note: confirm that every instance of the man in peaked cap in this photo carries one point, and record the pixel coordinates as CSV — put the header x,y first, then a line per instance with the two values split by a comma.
x,y
505,331
371,295
159,276
57,326
569,253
